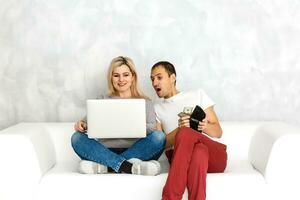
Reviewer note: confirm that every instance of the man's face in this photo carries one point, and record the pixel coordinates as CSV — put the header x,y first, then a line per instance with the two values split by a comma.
x,y
162,82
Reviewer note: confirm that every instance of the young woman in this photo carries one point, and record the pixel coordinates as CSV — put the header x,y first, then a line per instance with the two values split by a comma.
x,y
132,156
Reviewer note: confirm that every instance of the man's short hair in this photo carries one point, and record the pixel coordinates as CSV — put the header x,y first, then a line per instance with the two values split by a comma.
x,y
169,67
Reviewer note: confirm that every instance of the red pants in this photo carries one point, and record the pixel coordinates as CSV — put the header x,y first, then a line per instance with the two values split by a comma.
x,y
194,155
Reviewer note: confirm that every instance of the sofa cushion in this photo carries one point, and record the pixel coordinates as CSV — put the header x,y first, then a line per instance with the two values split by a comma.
x,y
64,182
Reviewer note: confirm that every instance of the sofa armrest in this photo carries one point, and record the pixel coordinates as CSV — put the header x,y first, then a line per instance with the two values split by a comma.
x,y
26,153
275,152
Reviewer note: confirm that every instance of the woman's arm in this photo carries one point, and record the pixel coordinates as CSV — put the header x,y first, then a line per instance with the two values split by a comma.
x,y
150,117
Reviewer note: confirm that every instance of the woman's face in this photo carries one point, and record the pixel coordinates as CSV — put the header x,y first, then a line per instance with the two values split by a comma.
x,y
122,78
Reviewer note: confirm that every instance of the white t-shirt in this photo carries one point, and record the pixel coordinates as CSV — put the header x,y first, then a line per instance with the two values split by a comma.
x,y
167,110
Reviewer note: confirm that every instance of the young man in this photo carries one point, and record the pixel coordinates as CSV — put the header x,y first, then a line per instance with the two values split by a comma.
x,y
191,153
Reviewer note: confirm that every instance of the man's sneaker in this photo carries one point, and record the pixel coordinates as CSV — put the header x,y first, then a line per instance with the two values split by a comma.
x,y
90,167
147,168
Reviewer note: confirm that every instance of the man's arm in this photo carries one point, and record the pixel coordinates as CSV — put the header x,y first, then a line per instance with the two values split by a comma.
x,y
170,139
212,126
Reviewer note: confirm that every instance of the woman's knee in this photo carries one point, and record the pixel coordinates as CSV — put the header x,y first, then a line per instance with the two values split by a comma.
x,y
76,138
158,137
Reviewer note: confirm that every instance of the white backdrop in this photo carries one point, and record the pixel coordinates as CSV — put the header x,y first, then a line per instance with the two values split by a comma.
x,y
244,53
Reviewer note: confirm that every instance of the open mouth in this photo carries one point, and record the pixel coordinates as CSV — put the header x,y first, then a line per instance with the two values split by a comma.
x,y
157,89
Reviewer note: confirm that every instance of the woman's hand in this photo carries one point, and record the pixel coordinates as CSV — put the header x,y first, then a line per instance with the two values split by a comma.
x,y
80,126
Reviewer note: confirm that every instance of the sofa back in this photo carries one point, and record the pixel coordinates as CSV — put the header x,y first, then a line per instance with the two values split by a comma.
x,y
236,135
61,134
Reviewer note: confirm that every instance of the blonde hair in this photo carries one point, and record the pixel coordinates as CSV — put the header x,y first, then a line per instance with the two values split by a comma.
x,y
136,92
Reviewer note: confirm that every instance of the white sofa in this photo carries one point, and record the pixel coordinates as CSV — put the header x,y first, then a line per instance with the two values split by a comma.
x,y
38,162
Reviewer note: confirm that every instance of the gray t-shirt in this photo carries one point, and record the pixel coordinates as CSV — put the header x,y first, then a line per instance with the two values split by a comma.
x,y
127,142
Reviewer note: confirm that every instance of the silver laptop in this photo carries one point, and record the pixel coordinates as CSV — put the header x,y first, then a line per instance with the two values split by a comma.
x,y
116,118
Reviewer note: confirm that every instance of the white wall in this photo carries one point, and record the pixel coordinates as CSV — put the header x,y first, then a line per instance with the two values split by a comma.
x,y
244,53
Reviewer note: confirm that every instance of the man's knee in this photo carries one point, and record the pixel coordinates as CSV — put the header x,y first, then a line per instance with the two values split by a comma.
x,y
201,155
201,151
186,134
182,133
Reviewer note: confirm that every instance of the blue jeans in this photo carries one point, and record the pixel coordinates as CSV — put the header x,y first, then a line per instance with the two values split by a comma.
x,y
148,148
